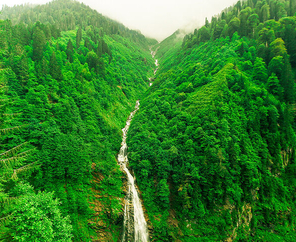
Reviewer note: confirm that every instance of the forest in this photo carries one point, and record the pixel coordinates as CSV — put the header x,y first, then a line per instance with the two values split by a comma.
x,y
212,146
69,78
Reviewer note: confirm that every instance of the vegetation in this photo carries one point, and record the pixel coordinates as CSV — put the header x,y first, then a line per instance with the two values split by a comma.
x,y
213,145
69,78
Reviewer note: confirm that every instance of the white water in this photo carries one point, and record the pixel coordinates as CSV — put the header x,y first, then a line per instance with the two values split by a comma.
x,y
153,53
134,226
156,63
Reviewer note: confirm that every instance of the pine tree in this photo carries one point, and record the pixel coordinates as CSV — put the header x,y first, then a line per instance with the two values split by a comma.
x,y
100,48
274,87
287,80
260,71
78,37
265,12
55,70
69,51
39,42
92,60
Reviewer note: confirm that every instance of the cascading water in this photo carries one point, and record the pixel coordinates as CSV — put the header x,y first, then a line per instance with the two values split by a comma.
x,y
153,53
134,226
156,63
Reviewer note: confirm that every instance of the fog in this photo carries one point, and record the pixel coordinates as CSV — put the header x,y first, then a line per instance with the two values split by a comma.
x,y
154,18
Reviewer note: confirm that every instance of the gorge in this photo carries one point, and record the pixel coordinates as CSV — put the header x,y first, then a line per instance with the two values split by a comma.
x,y
210,155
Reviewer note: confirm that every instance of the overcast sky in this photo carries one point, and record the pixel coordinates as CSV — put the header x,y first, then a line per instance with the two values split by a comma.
x,y
154,18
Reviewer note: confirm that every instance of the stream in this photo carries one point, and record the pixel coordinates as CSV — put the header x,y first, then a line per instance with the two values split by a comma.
x,y
134,225
153,53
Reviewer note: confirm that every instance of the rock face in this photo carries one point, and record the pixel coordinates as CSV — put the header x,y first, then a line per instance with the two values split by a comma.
x,y
101,228
134,226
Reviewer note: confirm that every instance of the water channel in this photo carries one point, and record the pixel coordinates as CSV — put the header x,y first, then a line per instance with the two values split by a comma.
x,y
134,225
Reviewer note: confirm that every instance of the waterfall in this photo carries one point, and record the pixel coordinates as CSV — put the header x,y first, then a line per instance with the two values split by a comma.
x,y
156,63
153,53
134,225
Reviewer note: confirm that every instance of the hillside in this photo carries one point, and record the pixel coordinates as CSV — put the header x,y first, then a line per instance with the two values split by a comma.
x,y
69,79
213,145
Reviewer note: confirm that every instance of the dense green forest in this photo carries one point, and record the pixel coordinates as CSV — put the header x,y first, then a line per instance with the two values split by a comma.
x,y
69,78
213,144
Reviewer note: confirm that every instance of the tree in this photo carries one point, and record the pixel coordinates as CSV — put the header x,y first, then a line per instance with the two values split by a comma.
x,y
233,26
87,44
100,48
288,24
287,80
243,16
260,71
265,12
292,7
55,31
204,34
276,66
252,22
274,87
47,31
101,67
105,49
39,217
266,36
92,60
69,51
280,10
218,29
272,9
207,24
163,193
3,40
39,42
54,68
78,37
278,48
42,67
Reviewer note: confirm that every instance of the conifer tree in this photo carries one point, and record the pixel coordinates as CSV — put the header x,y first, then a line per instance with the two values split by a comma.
x,y
274,86
69,51
78,37
100,48
54,68
287,80
39,41
260,71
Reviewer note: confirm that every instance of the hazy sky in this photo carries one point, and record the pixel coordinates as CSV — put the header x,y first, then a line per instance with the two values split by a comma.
x,y
154,18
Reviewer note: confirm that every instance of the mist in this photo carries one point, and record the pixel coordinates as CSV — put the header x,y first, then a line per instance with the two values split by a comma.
x,y
154,18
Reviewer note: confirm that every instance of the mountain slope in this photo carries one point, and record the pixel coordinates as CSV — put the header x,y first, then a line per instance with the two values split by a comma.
x,y
73,77
213,145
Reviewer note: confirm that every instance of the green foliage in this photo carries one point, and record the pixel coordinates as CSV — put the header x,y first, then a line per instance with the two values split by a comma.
x,y
13,163
213,145
37,217
38,43
260,71
74,79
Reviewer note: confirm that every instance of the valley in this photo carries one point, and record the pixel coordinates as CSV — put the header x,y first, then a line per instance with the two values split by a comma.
x,y
207,153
